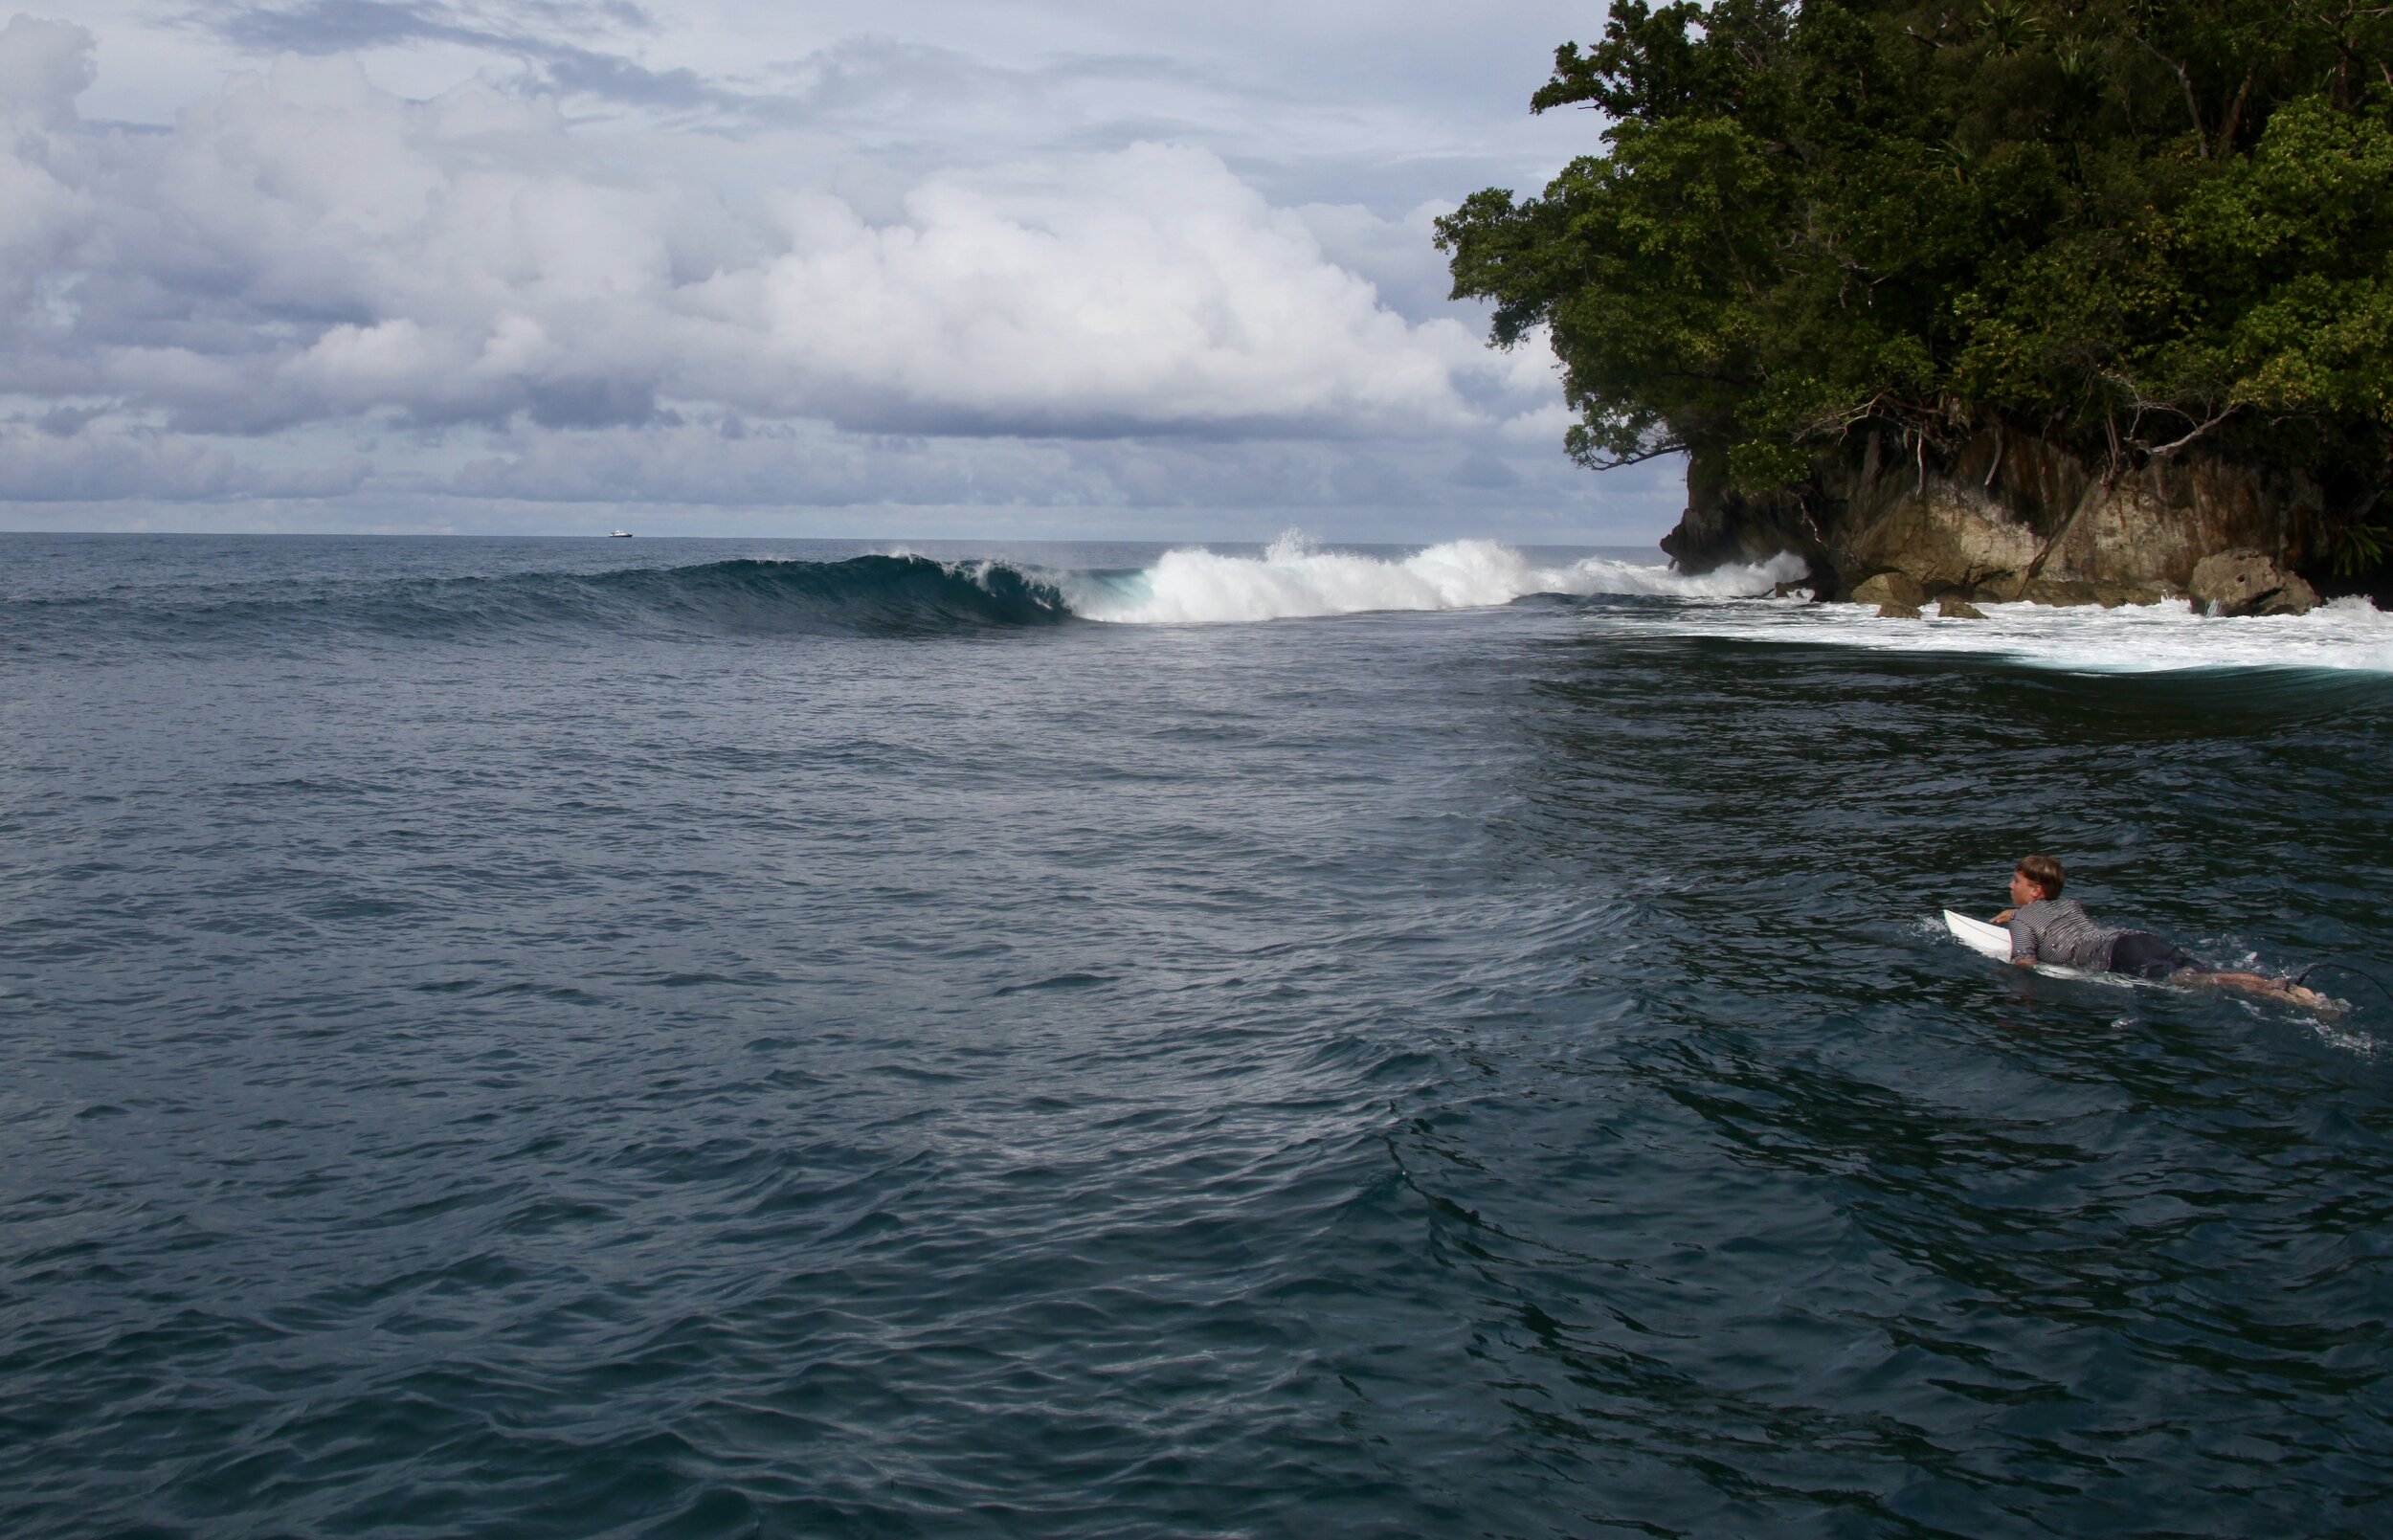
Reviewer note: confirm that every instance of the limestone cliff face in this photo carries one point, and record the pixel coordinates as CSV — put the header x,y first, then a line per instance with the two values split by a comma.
x,y
2007,516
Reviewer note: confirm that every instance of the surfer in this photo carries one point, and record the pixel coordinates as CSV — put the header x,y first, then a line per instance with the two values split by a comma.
x,y
2047,928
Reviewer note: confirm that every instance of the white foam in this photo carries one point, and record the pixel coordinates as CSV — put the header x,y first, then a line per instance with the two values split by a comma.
x,y
2346,634
1295,578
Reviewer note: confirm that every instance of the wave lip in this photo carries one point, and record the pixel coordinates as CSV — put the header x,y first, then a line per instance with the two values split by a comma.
x,y
1295,579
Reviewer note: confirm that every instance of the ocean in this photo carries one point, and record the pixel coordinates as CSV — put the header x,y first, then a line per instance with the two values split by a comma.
x,y
660,1038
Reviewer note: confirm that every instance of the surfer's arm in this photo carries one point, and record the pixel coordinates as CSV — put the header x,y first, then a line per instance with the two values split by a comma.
x,y
2003,919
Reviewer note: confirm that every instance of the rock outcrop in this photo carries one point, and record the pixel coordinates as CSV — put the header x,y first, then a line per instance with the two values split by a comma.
x,y
2010,516
1898,589
2247,582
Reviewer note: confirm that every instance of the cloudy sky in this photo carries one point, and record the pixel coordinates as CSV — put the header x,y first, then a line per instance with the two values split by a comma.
x,y
909,268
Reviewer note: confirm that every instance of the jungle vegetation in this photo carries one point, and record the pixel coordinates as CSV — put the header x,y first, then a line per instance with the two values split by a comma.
x,y
2131,226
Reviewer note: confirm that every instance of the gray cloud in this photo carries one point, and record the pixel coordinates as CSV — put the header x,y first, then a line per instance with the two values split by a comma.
x,y
339,25
44,66
887,272
732,463
66,456
304,247
526,33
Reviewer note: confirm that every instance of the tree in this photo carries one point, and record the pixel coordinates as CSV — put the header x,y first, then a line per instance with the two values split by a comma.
x,y
2133,226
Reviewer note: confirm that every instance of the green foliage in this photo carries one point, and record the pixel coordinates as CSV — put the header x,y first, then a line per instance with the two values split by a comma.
x,y
2360,549
2133,225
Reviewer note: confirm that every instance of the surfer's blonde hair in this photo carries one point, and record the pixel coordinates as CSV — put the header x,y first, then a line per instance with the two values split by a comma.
x,y
2044,872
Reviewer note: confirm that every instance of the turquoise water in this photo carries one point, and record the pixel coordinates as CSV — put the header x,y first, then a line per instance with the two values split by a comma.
x,y
550,1038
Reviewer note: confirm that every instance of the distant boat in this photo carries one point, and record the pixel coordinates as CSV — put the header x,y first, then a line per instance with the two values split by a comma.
x,y
618,534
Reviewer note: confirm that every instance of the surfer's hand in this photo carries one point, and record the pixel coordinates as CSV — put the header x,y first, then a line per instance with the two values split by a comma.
x,y
2005,918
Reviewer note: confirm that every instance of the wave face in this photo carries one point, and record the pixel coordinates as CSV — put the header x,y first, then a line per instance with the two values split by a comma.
x,y
1294,579
893,595
872,595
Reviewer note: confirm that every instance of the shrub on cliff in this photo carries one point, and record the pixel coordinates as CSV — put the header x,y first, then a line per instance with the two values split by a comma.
x,y
2129,225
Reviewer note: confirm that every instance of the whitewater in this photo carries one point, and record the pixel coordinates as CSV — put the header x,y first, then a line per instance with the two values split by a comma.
x,y
1296,578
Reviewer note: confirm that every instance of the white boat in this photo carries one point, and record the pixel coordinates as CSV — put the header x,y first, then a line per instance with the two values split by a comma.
x,y
618,534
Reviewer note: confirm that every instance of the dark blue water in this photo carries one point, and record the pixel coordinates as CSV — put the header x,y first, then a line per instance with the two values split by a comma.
x,y
542,1038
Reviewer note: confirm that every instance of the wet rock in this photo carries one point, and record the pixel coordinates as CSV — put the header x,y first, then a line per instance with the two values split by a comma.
x,y
2247,582
2061,591
1892,611
1900,589
2151,525
2112,596
1950,608
1942,535
1802,590
2072,591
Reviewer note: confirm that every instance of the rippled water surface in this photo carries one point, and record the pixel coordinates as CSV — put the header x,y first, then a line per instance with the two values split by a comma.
x,y
553,1037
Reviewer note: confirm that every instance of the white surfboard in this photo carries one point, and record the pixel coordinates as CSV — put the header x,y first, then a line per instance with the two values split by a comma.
x,y
1995,940
1978,936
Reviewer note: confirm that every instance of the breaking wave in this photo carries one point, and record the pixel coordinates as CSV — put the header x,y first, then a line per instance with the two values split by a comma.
x,y
1295,578
890,594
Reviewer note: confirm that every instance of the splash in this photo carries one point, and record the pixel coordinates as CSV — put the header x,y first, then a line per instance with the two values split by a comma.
x,y
1295,578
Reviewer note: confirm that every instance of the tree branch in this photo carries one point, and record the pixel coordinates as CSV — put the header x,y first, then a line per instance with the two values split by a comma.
x,y
2235,116
2193,108
2178,444
2141,403
1672,446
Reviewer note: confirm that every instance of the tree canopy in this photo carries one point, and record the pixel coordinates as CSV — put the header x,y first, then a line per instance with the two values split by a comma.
x,y
2133,226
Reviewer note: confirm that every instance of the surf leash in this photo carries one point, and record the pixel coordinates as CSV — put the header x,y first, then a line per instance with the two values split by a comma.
x,y
2303,977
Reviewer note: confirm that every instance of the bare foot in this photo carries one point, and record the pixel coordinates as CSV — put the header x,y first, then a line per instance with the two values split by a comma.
x,y
2315,1001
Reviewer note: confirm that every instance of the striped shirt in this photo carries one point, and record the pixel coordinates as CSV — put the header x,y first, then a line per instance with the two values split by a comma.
x,y
2058,930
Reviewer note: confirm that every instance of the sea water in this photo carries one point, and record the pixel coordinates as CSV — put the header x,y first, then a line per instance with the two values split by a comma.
x,y
691,1039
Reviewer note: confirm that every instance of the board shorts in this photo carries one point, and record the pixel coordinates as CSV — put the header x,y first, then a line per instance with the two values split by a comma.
x,y
2148,956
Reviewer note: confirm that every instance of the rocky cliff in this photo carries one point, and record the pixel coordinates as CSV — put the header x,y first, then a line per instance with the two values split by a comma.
x,y
2010,516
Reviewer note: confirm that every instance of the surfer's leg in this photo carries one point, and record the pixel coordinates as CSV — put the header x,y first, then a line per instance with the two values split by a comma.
x,y
2156,959
2275,988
